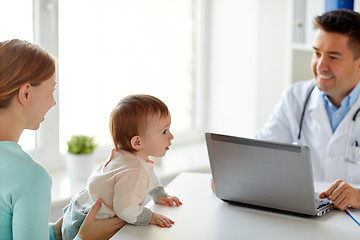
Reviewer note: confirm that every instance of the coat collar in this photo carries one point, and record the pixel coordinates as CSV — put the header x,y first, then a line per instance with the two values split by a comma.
x,y
316,110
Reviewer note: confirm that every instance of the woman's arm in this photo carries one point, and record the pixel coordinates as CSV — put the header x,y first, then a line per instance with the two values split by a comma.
x,y
31,203
93,228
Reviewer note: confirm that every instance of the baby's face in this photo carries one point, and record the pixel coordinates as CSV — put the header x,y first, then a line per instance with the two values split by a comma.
x,y
157,138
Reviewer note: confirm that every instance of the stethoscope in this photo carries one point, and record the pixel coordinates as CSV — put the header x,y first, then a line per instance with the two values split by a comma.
x,y
354,145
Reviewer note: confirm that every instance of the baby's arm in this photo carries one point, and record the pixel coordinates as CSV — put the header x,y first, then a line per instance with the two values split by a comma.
x,y
159,195
128,201
156,191
143,218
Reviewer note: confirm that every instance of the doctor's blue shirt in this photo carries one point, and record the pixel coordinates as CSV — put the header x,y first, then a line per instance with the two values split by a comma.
x,y
336,115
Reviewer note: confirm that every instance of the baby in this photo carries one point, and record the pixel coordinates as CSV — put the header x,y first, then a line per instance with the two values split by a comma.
x,y
139,127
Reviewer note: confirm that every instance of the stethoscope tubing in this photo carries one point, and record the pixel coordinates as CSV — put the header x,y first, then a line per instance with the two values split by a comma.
x,y
303,111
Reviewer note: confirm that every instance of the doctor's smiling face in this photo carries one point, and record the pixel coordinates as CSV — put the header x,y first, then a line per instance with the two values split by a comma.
x,y
334,66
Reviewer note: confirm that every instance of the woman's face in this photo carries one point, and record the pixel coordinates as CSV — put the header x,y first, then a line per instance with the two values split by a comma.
x,y
41,99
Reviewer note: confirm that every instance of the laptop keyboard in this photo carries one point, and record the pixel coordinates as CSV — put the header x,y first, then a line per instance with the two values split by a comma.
x,y
321,202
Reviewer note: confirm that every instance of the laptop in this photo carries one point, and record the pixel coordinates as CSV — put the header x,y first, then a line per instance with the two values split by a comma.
x,y
264,174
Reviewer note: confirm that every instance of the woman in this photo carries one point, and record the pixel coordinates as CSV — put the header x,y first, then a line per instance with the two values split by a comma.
x,y
27,83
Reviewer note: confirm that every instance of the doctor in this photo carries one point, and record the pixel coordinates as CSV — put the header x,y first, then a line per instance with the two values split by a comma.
x,y
322,113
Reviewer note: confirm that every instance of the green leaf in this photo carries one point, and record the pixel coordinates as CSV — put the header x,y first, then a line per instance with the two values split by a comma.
x,y
81,144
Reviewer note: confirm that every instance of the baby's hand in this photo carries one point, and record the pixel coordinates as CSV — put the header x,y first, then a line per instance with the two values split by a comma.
x,y
171,201
162,221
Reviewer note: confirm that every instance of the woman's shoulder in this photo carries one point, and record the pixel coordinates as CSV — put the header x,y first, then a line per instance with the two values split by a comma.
x,y
14,162
28,178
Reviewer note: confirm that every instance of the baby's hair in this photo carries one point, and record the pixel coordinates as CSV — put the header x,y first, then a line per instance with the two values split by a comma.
x,y
129,117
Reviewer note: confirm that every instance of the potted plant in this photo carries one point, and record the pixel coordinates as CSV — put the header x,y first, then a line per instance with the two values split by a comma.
x,y
80,156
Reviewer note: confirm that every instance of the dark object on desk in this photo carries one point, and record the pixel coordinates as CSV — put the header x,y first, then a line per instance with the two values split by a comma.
x,y
267,209
265,174
273,210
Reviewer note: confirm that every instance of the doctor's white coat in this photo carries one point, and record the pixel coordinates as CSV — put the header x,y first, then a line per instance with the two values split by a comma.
x,y
327,148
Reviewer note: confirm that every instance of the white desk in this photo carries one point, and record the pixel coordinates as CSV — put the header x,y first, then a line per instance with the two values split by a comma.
x,y
204,216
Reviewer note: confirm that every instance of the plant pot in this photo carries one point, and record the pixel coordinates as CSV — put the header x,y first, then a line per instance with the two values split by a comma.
x,y
79,166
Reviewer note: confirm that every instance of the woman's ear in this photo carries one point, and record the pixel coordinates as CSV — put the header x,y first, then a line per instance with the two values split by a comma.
x,y
23,94
136,142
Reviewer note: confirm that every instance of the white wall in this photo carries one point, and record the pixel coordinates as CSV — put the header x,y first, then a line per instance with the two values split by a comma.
x,y
233,66
248,42
274,45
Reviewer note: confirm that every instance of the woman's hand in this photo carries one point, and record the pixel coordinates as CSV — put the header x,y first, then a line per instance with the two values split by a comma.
x,y
57,229
93,228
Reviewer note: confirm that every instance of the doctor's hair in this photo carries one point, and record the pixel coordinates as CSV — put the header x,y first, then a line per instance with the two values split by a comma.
x,y
342,21
130,116
22,62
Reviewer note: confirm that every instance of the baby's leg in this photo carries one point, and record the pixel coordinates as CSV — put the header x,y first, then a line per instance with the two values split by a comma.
x,y
74,215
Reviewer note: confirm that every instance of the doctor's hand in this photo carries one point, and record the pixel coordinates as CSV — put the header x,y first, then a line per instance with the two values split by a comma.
x,y
212,185
342,195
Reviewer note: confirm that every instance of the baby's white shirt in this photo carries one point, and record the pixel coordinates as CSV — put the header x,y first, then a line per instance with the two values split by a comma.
x,y
123,183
